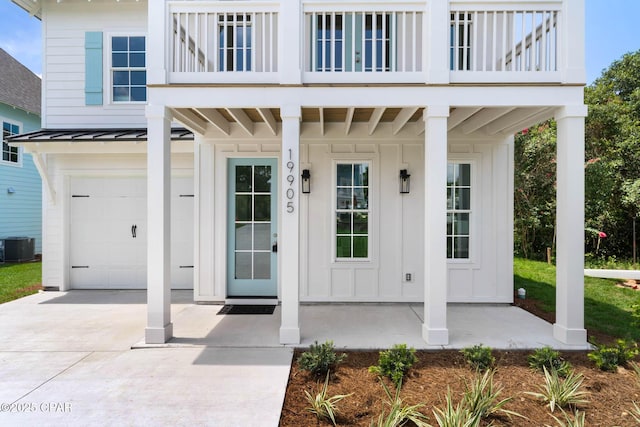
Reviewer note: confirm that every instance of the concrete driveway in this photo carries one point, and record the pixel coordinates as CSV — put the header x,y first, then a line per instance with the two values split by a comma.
x,y
66,359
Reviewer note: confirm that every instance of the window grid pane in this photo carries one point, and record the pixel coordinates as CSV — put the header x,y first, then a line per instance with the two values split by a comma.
x,y
9,154
352,210
128,62
458,210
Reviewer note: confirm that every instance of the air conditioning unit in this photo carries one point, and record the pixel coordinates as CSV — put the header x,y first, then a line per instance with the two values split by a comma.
x,y
18,249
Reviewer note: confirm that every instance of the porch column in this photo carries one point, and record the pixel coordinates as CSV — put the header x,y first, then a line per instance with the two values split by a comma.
x,y
569,326
159,327
288,250
434,329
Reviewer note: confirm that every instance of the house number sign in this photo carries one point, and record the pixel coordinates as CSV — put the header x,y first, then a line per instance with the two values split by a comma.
x,y
291,179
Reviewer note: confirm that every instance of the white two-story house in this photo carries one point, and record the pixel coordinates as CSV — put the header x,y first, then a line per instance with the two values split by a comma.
x,y
301,151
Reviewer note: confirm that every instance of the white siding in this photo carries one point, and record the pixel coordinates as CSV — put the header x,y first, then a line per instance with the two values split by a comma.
x,y
64,28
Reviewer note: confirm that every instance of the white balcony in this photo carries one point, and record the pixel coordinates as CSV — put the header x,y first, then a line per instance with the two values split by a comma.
x,y
351,42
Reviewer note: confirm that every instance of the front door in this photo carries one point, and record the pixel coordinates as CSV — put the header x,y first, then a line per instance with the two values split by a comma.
x,y
252,228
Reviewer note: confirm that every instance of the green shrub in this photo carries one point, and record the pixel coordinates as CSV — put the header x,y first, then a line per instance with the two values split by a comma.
x,y
323,405
635,313
561,392
395,363
549,358
320,358
609,358
479,357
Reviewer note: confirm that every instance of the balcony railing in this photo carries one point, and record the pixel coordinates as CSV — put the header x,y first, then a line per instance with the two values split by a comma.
x,y
366,42
223,42
498,42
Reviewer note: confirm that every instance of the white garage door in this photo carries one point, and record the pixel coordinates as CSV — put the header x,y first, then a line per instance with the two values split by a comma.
x,y
108,234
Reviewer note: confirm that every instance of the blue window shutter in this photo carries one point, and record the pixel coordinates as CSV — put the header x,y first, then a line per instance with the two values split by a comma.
x,y
93,68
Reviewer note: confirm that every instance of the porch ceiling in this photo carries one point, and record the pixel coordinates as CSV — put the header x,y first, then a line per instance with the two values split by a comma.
x,y
465,120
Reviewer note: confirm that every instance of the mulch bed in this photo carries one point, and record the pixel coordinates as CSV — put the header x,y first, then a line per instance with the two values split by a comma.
x,y
611,394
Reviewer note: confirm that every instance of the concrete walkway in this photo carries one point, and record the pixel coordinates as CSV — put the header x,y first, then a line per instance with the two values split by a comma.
x,y
66,358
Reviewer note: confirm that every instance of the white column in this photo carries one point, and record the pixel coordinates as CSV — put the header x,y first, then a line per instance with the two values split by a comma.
x,y
569,326
204,223
156,42
159,327
434,329
572,42
288,248
290,41
435,26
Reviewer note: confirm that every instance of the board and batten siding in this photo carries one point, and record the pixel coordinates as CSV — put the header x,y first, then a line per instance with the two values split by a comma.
x,y
21,211
66,24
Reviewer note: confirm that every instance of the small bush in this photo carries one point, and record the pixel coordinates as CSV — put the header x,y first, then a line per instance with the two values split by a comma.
x,y
609,358
561,392
549,358
320,358
323,405
399,413
395,363
479,357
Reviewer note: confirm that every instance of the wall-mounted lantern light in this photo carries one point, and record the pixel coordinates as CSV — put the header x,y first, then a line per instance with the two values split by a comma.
x,y
306,181
405,181
11,190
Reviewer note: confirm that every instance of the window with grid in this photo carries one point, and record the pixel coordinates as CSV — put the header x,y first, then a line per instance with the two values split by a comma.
x,y
460,42
128,68
352,211
458,210
10,154
235,50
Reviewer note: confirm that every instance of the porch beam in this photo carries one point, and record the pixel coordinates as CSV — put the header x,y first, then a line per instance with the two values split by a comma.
x,y
268,118
375,119
190,120
543,115
214,117
402,118
461,114
289,253
483,118
434,329
159,327
569,326
349,120
508,119
242,119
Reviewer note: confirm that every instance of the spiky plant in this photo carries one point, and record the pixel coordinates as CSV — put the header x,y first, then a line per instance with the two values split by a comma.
x,y
323,405
636,370
399,413
635,412
578,419
561,392
482,396
455,416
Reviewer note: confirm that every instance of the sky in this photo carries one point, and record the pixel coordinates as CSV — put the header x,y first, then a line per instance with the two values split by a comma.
x,y
611,31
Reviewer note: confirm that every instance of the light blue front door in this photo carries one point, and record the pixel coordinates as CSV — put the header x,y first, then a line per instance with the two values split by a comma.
x,y
252,228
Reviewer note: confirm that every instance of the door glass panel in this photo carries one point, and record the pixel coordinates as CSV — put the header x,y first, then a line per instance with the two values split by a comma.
x,y
262,265
344,198
343,247
263,208
243,237
243,265
262,237
262,179
243,208
343,225
344,175
360,223
243,179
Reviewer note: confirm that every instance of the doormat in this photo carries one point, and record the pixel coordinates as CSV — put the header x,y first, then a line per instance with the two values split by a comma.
x,y
247,309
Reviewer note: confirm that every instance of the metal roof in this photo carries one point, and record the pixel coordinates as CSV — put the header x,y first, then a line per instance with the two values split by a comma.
x,y
96,135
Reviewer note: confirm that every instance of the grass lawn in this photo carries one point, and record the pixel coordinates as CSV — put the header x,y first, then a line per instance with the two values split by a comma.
x,y
607,307
19,280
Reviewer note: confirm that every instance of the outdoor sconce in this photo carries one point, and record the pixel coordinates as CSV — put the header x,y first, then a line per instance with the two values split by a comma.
x,y
306,181
405,181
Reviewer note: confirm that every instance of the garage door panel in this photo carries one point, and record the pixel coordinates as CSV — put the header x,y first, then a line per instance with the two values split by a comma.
x,y
101,233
